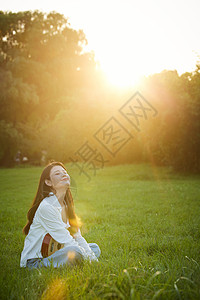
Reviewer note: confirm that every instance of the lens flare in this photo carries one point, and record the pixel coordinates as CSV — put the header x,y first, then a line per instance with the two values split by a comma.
x,y
57,289
70,255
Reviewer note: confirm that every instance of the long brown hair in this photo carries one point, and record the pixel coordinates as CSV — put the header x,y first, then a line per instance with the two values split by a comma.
x,y
43,191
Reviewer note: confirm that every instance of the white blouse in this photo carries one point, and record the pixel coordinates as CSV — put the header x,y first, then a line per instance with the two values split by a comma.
x,y
48,219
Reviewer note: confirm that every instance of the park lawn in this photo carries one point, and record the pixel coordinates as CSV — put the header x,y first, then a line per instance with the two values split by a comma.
x,y
146,221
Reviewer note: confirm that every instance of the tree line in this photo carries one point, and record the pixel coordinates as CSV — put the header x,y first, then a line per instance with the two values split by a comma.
x,y
53,95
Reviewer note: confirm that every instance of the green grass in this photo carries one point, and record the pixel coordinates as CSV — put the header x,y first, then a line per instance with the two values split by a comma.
x,y
146,221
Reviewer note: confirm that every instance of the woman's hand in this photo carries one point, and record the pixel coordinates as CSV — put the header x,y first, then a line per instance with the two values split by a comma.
x,y
72,230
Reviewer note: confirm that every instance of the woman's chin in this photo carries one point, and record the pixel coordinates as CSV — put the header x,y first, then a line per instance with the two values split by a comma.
x,y
64,186
65,182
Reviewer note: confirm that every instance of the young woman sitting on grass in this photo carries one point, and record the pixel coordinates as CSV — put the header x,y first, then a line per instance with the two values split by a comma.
x,y
52,222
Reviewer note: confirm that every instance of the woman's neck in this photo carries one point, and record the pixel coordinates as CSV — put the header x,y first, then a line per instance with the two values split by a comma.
x,y
61,196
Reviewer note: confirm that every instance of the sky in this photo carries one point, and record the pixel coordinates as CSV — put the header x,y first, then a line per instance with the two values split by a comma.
x,y
131,38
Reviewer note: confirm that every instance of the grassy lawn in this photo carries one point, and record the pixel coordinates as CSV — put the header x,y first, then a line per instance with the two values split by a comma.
x,y
146,221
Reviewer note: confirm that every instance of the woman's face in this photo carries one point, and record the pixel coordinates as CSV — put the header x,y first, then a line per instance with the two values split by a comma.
x,y
59,179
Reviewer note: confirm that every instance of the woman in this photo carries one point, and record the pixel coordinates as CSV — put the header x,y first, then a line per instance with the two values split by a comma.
x,y
52,215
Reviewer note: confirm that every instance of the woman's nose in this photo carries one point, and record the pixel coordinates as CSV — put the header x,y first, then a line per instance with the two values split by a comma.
x,y
66,175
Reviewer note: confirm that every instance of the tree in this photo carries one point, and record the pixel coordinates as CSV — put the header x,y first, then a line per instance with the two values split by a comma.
x,y
42,65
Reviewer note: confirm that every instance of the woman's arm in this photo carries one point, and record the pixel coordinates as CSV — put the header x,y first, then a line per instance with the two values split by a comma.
x,y
82,242
50,218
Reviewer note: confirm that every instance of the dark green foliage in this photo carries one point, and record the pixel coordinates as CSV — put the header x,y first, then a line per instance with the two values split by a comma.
x,y
53,98
39,58
173,138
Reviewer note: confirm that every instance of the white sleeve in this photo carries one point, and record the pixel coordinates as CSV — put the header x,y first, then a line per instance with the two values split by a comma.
x,y
82,242
51,220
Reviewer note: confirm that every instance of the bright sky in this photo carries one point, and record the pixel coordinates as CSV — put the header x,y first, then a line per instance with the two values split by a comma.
x,y
131,38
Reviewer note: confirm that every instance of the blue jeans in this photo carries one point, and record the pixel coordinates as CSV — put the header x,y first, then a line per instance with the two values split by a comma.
x,y
68,255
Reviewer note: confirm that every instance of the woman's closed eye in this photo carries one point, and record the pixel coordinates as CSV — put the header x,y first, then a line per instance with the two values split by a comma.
x,y
60,173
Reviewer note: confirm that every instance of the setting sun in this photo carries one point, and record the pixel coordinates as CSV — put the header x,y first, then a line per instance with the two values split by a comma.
x,y
121,73
131,39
